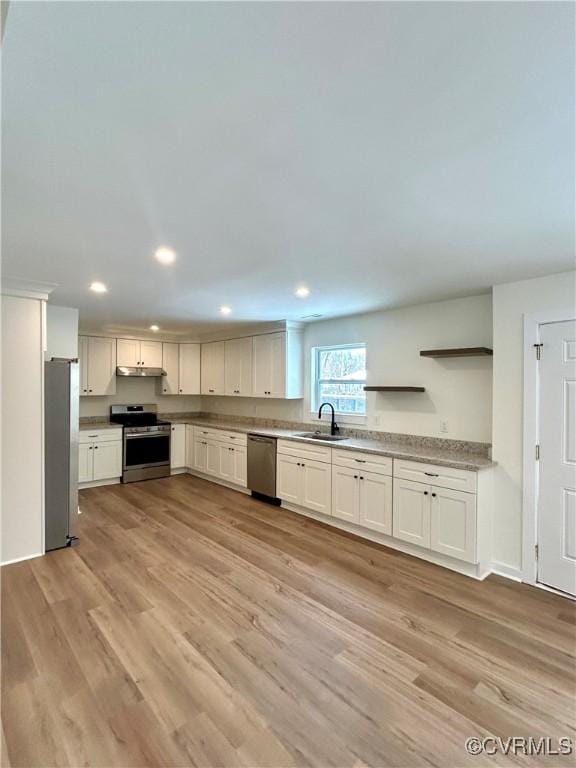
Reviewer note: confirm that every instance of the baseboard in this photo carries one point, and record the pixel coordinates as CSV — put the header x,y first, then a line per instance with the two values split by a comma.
x,y
99,483
178,471
507,571
218,481
22,559
474,571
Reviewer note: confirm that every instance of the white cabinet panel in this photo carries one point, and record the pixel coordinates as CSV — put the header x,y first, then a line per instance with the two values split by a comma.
x,y
212,368
240,466
375,501
226,463
107,460
128,352
151,354
200,454
453,523
212,457
171,364
189,364
85,454
317,487
411,518
345,494
238,367
269,351
433,474
189,446
97,365
367,462
302,450
178,446
289,479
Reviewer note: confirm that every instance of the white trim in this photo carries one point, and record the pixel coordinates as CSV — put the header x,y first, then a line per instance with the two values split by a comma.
x,y
27,289
476,571
218,481
532,323
22,559
507,571
99,483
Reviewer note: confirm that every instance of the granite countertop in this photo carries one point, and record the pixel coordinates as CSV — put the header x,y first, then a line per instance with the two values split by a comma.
x,y
446,457
104,424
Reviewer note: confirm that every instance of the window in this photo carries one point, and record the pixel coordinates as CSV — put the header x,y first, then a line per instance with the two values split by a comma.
x,y
339,378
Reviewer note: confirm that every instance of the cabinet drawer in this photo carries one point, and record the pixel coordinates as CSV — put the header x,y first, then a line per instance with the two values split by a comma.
x,y
432,474
305,451
370,462
222,435
99,435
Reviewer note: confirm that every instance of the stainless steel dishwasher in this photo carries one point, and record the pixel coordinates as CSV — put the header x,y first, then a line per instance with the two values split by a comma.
x,y
262,466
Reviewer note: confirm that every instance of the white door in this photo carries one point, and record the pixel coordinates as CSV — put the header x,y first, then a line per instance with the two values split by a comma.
x,y
262,365
101,366
317,486
240,467
453,523
277,365
345,494
151,354
238,367
107,460
557,466
170,363
189,369
85,453
178,446
212,458
212,368
289,478
128,352
199,458
83,363
375,502
411,516
226,471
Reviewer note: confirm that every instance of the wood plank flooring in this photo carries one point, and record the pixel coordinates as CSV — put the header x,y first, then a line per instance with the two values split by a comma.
x,y
195,626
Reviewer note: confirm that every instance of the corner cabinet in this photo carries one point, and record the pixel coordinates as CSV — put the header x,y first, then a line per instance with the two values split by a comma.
x,y
97,357
277,365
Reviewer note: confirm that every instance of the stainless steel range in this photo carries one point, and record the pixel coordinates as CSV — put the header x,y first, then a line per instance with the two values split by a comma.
x,y
146,453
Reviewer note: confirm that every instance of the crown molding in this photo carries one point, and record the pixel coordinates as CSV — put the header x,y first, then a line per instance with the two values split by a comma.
x,y
26,289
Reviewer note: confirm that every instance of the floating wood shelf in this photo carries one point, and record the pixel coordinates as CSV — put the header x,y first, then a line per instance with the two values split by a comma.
x,y
459,352
394,389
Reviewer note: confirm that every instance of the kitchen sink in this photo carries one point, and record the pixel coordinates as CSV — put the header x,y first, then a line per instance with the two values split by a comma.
x,y
321,436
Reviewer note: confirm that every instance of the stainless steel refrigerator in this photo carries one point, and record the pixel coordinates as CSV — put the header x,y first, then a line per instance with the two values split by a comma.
x,y
61,398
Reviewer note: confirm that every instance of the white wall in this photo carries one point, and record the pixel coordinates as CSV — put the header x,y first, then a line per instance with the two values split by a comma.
x,y
138,390
457,391
61,332
22,428
511,301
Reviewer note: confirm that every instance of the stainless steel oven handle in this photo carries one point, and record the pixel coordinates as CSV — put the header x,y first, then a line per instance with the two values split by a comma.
x,y
147,435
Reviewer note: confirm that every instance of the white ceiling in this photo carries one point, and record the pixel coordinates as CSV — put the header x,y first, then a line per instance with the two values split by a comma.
x,y
382,154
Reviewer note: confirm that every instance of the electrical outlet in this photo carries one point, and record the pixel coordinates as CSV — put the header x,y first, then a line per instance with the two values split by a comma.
x,y
444,426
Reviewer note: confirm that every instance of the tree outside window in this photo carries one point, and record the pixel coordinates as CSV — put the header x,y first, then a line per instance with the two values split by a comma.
x,y
340,377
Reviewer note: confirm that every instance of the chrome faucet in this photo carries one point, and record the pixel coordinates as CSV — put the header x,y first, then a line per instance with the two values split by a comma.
x,y
334,428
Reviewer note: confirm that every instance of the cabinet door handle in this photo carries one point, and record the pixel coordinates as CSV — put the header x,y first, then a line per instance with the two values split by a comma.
x,y
425,493
89,390
361,478
434,495
431,474
95,447
355,477
360,461
90,448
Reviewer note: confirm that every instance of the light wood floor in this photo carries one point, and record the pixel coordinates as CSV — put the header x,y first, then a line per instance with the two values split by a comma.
x,y
195,626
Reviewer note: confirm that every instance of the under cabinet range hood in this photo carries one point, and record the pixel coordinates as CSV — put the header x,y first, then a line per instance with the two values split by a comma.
x,y
129,370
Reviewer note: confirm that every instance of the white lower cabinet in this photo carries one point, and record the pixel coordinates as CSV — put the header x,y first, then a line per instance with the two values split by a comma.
x,y
363,498
439,519
221,455
304,482
453,523
177,446
199,455
240,466
99,456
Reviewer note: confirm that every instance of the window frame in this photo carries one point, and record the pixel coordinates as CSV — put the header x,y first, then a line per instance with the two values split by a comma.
x,y
354,417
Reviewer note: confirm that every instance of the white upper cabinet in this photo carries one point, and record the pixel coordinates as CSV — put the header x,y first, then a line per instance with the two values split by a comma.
x,y
238,367
212,368
97,356
189,365
170,363
133,353
277,365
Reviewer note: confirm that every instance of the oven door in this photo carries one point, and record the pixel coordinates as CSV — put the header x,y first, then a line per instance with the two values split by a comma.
x,y
146,450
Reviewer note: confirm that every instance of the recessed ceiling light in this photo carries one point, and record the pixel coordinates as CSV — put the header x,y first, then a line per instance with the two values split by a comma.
x,y
154,328
165,256
302,292
98,287
225,310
